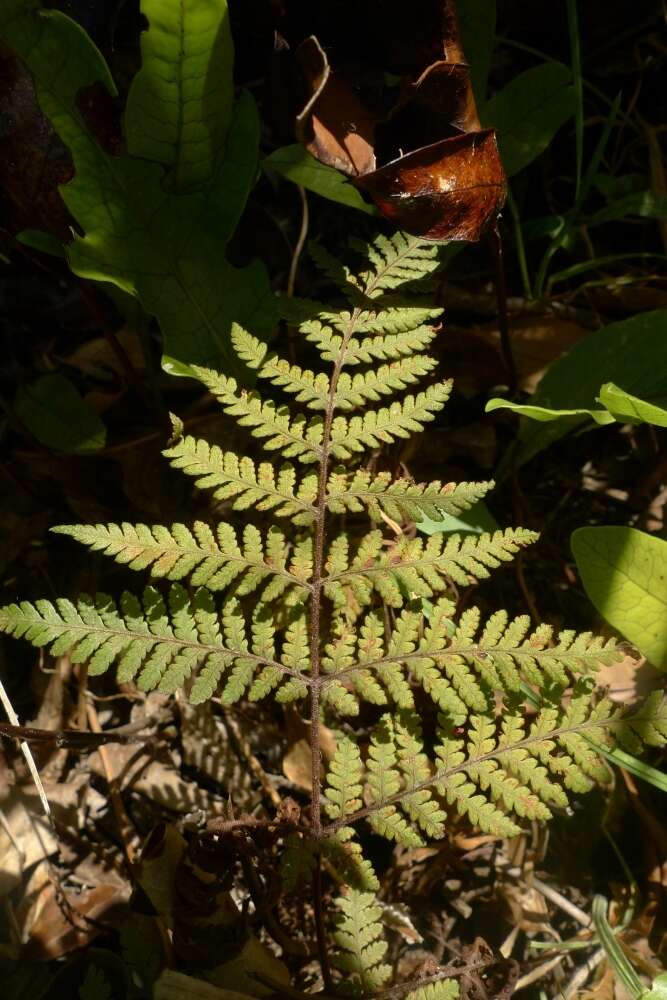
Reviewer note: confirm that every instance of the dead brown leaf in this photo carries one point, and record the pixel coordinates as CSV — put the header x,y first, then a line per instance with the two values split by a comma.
x,y
416,149
53,934
297,760
537,341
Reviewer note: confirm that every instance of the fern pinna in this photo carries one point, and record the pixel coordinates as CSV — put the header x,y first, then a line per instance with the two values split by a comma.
x,y
312,608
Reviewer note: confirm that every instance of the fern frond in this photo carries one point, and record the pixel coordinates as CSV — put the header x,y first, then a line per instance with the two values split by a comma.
x,y
412,567
344,780
383,782
400,499
362,947
501,773
212,560
237,478
328,332
462,672
389,423
305,385
416,768
346,855
276,426
360,389
443,989
161,644
396,261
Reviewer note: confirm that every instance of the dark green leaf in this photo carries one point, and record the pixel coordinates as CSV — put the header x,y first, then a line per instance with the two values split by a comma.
x,y
52,410
528,112
631,353
477,24
166,248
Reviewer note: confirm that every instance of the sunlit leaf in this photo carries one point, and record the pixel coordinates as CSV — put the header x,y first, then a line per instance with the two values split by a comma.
x,y
296,164
624,573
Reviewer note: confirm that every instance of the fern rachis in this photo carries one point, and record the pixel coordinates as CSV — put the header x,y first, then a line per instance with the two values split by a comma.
x,y
303,605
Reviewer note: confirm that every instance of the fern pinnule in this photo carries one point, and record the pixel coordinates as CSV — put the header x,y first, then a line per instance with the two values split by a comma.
x,y
442,989
361,944
215,560
400,499
404,339
237,478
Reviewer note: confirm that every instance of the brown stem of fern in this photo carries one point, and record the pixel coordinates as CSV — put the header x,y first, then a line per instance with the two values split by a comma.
x,y
316,679
320,930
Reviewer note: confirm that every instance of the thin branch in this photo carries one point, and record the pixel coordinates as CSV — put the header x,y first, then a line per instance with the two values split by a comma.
x,y
126,830
320,929
29,759
298,249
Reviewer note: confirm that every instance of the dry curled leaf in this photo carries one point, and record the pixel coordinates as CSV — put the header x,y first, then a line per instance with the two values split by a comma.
x,y
410,140
60,929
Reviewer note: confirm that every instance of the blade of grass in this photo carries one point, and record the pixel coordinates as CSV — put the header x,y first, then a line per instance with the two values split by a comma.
x,y
575,49
589,265
520,244
616,956
584,189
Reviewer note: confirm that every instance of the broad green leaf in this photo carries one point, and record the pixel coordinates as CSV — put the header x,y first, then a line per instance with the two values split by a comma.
x,y
179,107
177,986
658,989
624,573
545,415
44,242
164,247
528,112
644,204
632,352
52,410
475,521
627,408
296,164
618,406
477,24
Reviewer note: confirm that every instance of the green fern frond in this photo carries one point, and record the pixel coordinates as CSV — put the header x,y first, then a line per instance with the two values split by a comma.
x,y
383,782
395,262
276,426
416,768
500,773
362,947
414,567
346,855
443,989
231,477
389,423
461,672
336,346
344,780
160,644
400,499
212,560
